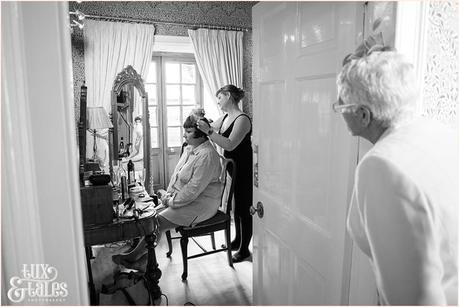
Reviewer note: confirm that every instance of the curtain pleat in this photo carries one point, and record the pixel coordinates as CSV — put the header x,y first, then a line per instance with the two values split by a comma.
x,y
219,57
108,48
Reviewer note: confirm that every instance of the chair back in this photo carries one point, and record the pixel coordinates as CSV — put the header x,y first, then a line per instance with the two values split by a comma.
x,y
226,199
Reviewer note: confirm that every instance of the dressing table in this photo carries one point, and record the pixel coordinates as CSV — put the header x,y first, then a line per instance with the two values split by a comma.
x,y
120,230
97,201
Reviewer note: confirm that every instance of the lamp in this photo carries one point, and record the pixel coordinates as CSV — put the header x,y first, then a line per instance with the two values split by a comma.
x,y
97,119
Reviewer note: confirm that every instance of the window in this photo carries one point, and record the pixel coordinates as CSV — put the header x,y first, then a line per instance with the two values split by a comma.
x,y
174,88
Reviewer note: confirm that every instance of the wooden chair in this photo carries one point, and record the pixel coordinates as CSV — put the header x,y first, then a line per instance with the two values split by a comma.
x,y
220,221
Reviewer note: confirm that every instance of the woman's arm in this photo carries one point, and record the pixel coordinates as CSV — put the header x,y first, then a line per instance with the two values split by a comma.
x,y
203,174
240,129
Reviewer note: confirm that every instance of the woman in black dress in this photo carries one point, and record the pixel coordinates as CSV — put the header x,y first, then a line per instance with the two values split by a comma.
x,y
232,132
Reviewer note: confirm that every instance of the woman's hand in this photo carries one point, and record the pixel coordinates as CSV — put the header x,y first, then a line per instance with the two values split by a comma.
x,y
164,196
166,199
161,193
203,126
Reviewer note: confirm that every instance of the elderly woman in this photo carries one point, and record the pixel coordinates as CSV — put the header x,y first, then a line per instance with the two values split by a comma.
x,y
193,194
403,213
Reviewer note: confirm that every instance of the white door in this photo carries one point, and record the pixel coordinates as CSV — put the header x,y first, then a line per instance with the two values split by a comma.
x,y
306,158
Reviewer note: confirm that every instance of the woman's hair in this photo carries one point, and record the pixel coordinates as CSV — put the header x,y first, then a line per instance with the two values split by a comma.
x,y
234,91
192,121
383,81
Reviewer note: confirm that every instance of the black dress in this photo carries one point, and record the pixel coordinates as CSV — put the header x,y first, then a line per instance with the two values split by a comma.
x,y
242,156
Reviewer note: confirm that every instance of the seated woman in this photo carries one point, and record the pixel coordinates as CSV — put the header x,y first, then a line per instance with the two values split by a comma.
x,y
193,194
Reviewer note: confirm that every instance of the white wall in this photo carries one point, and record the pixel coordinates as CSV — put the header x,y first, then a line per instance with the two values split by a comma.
x,y
41,215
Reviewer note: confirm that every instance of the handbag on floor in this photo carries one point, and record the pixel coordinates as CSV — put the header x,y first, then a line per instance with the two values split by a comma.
x,y
127,289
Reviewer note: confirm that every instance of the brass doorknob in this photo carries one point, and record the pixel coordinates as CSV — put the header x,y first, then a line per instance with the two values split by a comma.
x,y
258,209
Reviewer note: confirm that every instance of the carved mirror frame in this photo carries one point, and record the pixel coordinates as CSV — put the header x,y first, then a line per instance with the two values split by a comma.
x,y
129,76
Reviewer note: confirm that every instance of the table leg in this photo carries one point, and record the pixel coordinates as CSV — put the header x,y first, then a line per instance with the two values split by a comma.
x,y
153,273
92,287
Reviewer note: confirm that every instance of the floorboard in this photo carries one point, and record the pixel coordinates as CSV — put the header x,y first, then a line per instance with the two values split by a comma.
x,y
211,281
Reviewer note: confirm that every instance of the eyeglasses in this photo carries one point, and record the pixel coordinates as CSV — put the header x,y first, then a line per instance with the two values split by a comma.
x,y
340,108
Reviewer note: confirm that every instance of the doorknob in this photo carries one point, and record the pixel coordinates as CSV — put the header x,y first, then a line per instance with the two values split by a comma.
x,y
259,210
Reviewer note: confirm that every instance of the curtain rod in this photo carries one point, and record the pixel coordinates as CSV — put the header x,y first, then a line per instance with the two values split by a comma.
x,y
146,21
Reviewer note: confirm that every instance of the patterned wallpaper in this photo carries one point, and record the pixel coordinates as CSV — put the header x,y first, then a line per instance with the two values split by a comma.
x,y
442,71
225,13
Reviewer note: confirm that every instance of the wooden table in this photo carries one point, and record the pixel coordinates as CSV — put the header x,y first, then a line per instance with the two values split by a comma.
x,y
121,230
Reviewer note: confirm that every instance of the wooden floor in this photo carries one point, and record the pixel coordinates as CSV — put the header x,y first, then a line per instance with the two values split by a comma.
x,y
211,281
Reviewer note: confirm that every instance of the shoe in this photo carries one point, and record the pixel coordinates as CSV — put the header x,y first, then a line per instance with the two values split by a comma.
x,y
135,242
239,257
138,264
235,245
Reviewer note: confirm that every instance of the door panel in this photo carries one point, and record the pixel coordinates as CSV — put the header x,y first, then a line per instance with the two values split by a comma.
x,y
306,157
317,29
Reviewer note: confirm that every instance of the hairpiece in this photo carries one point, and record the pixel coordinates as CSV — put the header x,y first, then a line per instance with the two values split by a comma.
x,y
197,113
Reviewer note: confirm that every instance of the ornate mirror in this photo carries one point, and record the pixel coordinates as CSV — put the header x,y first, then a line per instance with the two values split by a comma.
x,y
131,127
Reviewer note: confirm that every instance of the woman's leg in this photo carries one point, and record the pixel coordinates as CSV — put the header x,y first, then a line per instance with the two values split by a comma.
x,y
133,255
140,249
164,224
246,234
236,243
242,212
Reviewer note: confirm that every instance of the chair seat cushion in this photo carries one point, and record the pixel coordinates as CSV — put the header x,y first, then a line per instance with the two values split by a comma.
x,y
218,222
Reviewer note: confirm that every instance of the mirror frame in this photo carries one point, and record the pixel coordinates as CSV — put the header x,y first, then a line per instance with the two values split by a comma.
x,y
129,76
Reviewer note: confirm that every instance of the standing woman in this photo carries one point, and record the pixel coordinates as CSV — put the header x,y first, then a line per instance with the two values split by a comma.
x,y
232,132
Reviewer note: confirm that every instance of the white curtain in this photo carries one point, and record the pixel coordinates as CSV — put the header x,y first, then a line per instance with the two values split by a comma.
x,y
218,56
108,48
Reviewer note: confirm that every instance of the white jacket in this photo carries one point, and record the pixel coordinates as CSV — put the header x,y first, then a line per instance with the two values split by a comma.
x,y
403,213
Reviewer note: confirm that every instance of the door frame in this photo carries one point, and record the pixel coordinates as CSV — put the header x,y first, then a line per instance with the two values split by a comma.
x,y
410,38
42,184
411,35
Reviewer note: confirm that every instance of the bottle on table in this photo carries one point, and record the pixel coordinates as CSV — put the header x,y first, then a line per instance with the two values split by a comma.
x,y
131,177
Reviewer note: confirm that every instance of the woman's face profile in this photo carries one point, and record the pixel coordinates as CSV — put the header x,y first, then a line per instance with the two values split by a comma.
x,y
188,135
222,100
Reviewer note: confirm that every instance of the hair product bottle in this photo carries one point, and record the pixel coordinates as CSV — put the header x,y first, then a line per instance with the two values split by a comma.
x,y
131,177
121,179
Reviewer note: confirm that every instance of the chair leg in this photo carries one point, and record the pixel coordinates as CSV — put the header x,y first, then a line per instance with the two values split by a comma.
x,y
169,243
212,238
228,246
184,247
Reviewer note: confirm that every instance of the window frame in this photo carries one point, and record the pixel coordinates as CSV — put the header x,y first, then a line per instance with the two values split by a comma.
x,y
163,151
